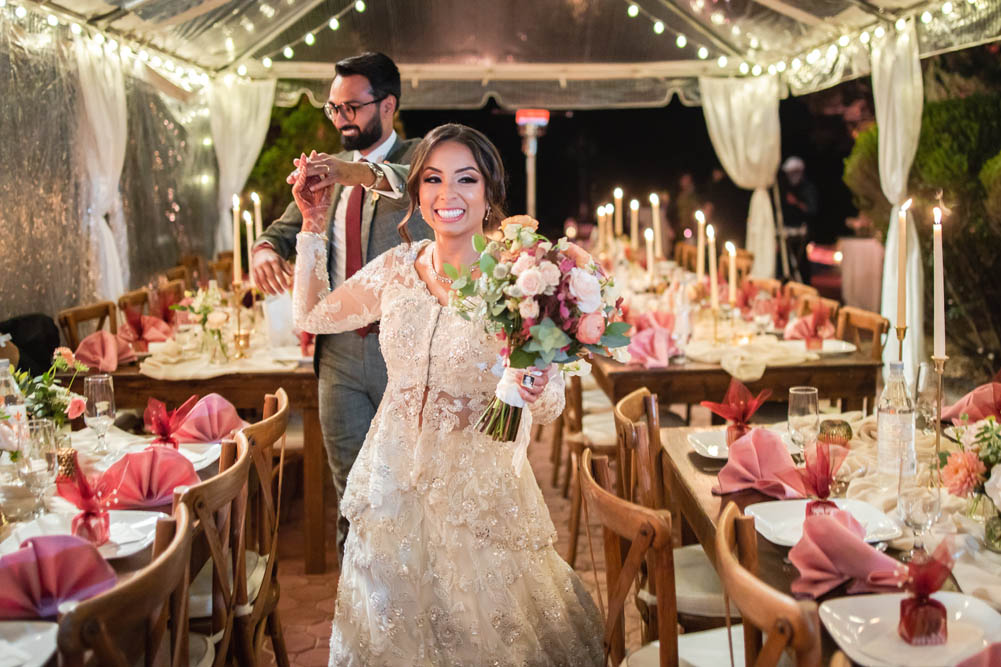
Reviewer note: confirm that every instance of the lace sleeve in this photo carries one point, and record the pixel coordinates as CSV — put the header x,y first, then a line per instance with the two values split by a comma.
x,y
550,403
354,304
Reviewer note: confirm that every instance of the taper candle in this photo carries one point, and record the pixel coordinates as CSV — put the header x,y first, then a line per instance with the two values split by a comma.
x,y
648,235
658,240
700,246
249,223
634,223
237,260
939,288
258,223
713,280
902,265
617,194
610,214
731,250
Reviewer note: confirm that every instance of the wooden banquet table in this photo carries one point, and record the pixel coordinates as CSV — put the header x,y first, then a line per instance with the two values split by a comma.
x,y
851,378
247,390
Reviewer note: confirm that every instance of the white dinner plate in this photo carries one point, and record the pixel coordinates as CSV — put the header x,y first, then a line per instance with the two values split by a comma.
x,y
130,531
712,444
865,627
781,521
27,643
828,347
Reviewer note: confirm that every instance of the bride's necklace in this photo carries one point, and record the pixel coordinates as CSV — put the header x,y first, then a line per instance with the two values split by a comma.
x,y
445,280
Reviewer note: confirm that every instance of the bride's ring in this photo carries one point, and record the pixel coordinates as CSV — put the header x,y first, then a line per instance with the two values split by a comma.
x,y
527,381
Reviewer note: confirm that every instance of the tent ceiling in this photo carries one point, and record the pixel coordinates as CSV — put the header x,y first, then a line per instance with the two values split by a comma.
x,y
575,53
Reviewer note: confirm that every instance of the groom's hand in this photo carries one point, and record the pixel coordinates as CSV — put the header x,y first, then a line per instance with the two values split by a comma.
x,y
271,273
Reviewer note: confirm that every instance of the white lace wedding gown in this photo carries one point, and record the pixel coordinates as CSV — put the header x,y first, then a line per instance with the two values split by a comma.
x,y
450,557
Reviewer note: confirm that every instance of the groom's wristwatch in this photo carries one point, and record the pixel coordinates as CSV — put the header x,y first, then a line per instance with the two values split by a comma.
x,y
376,173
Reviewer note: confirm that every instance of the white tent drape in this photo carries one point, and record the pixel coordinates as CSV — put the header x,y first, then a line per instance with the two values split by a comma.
x,y
102,152
239,114
899,97
742,116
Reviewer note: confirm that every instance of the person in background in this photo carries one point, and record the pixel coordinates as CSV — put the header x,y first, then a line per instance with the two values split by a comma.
x,y
684,205
361,224
800,208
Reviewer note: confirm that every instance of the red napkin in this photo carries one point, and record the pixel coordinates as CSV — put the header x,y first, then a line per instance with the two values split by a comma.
x,y
165,423
746,295
981,403
738,407
756,462
307,343
816,476
104,352
146,479
833,551
655,319
816,325
92,522
141,330
47,571
781,307
211,419
160,302
989,657
652,347
922,619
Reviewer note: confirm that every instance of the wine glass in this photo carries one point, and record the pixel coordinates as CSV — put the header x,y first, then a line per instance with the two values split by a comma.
x,y
762,310
804,416
919,501
925,398
38,461
100,415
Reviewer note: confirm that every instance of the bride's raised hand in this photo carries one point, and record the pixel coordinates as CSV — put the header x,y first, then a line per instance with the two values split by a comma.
x,y
313,203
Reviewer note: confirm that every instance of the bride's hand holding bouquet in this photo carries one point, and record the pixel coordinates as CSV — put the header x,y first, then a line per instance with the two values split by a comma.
x,y
549,302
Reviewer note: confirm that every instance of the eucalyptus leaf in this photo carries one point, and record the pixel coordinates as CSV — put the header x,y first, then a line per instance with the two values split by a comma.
x,y
479,243
450,271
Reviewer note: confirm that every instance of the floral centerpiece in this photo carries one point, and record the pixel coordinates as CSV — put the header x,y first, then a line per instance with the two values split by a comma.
x,y
549,302
205,306
973,471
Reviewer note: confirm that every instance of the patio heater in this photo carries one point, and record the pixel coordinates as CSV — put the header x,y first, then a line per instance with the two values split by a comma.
x,y
531,125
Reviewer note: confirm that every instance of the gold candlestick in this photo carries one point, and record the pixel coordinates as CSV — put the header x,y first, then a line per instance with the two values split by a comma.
x,y
901,332
939,371
241,338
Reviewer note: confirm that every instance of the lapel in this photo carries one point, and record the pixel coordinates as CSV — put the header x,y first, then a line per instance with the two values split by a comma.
x,y
368,207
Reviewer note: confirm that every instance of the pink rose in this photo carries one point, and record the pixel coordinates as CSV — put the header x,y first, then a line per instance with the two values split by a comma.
x,y
216,319
66,354
76,407
550,273
524,262
585,289
529,309
530,282
590,328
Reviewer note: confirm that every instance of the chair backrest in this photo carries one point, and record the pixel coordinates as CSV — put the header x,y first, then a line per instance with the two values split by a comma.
x,y
770,285
221,270
130,621
196,268
809,302
261,438
637,426
137,299
788,623
175,288
852,320
632,535
573,410
9,351
179,272
795,290
688,256
743,260
219,509
224,254
70,319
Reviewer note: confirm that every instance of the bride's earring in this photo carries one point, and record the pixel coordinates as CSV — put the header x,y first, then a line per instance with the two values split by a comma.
x,y
486,218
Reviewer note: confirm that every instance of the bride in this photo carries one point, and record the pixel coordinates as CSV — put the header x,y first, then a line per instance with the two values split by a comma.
x,y
450,557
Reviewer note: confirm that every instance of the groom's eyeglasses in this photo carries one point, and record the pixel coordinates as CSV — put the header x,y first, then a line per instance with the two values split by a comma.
x,y
347,110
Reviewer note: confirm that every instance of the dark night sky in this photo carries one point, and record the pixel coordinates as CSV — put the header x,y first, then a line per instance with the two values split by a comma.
x,y
585,154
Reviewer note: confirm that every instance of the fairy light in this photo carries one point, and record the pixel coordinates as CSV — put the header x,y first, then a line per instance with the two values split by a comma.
x,y
230,46
658,27
682,41
864,37
242,70
780,66
744,68
144,55
900,25
755,43
735,30
756,70
703,53
813,56
879,31
155,61
947,8
266,62
20,12
52,20
796,64
772,69
721,61
288,52
360,6
74,27
844,40
309,39
832,52
633,11
718,18
926,17
99,39
334,24
113,46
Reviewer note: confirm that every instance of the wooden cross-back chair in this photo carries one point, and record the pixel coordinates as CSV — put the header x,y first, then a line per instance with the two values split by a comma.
x,y
789,624
70,320
743,260
219,506
179,272
221,270
795,290
808,303
224,254
174,288
852,321
581,432
196,268
770,285
686,255
137,299
260,606
142,616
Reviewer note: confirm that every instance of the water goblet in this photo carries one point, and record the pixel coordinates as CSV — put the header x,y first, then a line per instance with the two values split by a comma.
x,y
925,398
38,461
919,501
804,416
762,312
100,414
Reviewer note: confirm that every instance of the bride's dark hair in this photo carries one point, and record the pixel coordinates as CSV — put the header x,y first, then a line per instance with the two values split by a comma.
x,y
488,161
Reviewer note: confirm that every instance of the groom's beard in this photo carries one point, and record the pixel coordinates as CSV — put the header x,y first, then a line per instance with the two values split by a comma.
x,y
366,138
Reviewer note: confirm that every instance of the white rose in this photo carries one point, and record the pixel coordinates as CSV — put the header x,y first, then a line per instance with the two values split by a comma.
x,y
524,262
216,319
612,292
511,232
530,282
585,289
529,309
550,273
621,354
527,237
502,270
993,486
546,246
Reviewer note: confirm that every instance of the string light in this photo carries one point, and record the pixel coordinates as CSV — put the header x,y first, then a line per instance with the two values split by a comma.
x,y
864,37
52,20
900,25
703,53
633,11
266,62
658,27
74,27
796,64
20,12
334,24
682,41
780,66
721,61
844,40
926,17
813,56
288,52
242,70
772,69
947,8
755,43
309,39
360,6
718,18
879,31
744,68
756,70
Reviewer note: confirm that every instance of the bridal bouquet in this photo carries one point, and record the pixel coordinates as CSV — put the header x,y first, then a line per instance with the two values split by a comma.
x,y
549,302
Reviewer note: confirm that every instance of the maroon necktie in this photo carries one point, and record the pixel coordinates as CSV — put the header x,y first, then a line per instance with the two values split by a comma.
x,y
352,241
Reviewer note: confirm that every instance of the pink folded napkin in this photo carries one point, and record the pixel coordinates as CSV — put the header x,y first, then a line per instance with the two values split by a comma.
x,y
981,403
781,307
989,657
146,479
746,296
815,325
757,461
92,523
165,423
211,419
47,571
652,347
655,319
140,330
833,550
105,352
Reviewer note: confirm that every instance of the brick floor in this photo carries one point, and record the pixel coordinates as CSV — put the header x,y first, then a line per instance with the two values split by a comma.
x,y
307,601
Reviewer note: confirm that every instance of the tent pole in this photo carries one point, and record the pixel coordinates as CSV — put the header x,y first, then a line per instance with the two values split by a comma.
x,y
530,146
780,229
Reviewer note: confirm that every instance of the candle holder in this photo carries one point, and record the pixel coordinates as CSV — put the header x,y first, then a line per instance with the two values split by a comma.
x,y
939,371
901,333
241,338
241,343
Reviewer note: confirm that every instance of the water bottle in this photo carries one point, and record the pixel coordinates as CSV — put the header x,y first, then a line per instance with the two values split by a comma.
x,y
895,452
12,403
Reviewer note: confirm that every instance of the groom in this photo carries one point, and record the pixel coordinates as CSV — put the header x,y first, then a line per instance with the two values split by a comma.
x,y
364,97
